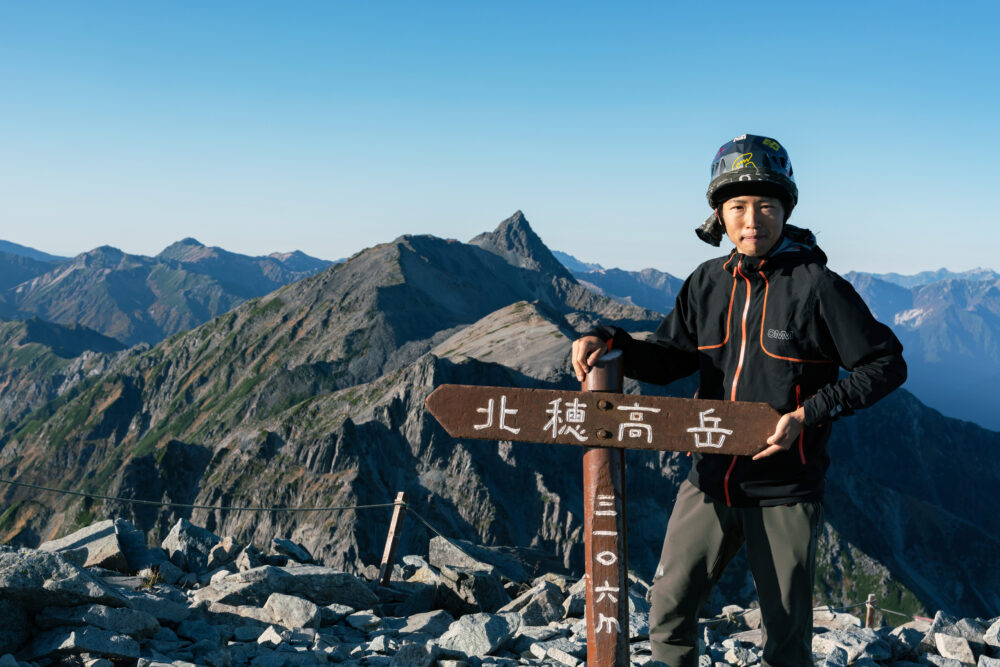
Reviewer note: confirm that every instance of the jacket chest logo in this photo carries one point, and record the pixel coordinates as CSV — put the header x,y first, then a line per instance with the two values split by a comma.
x,y
778,334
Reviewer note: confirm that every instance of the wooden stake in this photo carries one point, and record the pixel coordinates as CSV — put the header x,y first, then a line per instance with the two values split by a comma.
x,y
870,614
392,539
604,535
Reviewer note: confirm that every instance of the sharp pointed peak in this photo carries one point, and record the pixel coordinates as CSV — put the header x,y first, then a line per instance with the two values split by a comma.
x,y
517,242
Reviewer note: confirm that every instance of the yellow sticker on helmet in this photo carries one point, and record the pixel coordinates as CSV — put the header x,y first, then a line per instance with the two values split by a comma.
x,y
744,162
772,144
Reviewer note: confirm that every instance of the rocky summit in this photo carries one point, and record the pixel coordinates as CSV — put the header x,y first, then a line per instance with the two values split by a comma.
x,y
311,397
99,598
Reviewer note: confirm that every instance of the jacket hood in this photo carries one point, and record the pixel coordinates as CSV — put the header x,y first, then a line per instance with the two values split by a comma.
x,y
796,239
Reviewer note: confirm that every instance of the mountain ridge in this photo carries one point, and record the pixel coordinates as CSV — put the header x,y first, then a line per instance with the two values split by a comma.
x,y
313,394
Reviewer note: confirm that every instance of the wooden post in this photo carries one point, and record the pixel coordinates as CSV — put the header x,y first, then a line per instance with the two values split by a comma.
x,y
392,539
605,533
870,613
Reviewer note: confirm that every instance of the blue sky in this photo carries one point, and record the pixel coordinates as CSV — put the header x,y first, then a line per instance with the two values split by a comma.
x,y
332,126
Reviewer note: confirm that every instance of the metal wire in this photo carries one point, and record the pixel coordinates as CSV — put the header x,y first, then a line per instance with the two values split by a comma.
x,y
731,617
137,501
338,508
903,614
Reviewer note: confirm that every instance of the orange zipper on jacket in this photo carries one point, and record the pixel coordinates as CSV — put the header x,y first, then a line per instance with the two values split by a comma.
x,y
739,370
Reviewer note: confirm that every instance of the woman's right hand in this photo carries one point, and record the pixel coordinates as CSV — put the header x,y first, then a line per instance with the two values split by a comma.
x,y
586,351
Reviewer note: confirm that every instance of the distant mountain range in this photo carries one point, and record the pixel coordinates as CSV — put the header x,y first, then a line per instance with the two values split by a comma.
x,y
134,298
312,394
24,251
927,277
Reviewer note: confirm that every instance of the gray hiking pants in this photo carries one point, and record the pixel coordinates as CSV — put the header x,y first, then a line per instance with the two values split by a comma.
x,y
703,535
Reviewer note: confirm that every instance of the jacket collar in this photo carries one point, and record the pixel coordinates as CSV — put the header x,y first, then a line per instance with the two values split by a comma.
x,y
795,244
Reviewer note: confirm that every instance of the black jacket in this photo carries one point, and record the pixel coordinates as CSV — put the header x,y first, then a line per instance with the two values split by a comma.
x,y
775,329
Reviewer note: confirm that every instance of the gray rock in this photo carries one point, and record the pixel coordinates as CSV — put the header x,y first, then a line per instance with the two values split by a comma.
x,y
38,579
539,605
638,625
223,553
218,574
562,657
292,550
413,655
836,658
420,598
256,618
363,620
858,642
905,641
97,662
188,546
199,631
942,623
527,635
465,591
124,620
167,605
273,636
425,575
133,544
638,615
249,558
433,623
956,648
575,604
741,657
473,557
15,629
8,660
973,631
165,571
416,562
325,585
542,649
220,657
292,612
749,637
983,662
98,540
250,587
478,634
940,661
83,640
992,635
333,613
829,618
382,644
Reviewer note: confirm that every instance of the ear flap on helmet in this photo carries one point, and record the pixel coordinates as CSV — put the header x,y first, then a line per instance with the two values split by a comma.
x,y
712,230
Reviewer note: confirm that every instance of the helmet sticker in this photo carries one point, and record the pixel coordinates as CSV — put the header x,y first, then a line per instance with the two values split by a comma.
x,y
772,144
744,162
740,138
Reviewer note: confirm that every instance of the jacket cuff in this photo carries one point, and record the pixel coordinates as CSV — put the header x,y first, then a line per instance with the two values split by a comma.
x,y
605,333
815,413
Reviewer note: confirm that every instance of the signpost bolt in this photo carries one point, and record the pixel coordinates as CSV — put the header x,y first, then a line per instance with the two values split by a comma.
x,y
604,405
603,434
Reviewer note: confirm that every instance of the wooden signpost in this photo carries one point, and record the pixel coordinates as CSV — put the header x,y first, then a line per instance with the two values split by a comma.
x,y
606,423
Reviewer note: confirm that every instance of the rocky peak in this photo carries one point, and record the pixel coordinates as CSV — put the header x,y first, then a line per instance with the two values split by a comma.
x,y
519,245
187,249
297,260
105,255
